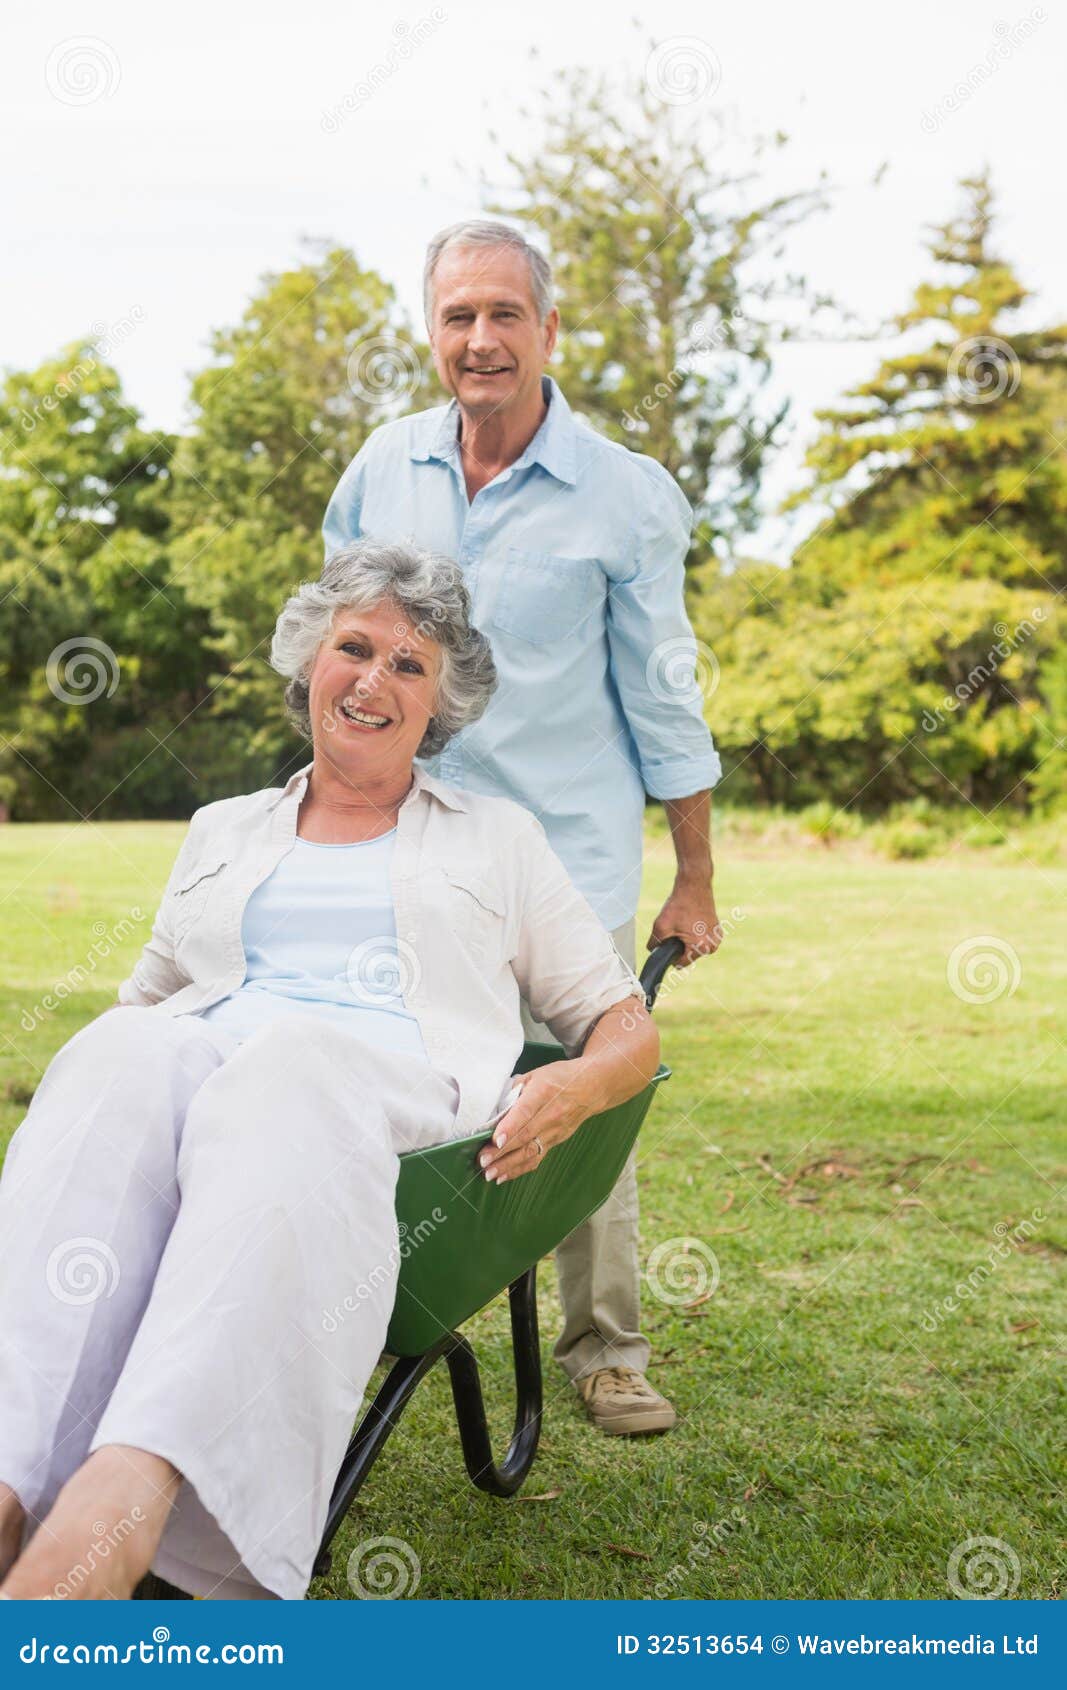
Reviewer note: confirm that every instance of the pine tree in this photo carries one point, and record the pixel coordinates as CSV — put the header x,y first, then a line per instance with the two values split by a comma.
x,y
952,460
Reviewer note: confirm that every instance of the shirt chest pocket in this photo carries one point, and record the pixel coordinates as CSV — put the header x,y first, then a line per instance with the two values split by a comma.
x,y
466,906
543,598
192,893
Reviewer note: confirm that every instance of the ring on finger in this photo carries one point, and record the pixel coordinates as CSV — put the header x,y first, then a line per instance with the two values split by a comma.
x,y
540,1148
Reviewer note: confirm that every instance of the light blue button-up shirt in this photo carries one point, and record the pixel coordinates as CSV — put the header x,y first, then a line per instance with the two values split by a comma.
x,y
574,559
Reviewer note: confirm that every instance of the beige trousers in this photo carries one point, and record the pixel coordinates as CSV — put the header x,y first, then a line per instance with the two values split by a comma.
x,y
598,1266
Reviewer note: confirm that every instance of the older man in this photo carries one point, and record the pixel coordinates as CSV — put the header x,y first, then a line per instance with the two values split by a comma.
x,y
573,550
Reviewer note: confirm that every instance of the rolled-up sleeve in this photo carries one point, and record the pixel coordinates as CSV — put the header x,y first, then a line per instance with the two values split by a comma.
x,y
654,654
156,975
566,965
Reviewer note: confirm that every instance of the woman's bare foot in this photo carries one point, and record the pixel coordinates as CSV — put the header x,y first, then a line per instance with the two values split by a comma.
x,y
12,1522
103,1531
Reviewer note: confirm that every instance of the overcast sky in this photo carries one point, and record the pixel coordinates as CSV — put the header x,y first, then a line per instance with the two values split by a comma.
x,y
158,162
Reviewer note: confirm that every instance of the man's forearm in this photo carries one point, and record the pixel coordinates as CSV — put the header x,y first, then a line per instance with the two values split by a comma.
x,y
690,825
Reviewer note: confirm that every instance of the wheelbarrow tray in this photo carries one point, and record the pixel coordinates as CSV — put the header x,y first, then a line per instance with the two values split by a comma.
x,y
463,1238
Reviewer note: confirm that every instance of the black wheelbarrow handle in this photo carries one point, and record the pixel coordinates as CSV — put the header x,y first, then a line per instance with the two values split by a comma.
x,y
657,965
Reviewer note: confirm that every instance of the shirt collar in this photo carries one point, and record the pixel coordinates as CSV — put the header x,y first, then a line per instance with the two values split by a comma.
x,y
422,782
553,446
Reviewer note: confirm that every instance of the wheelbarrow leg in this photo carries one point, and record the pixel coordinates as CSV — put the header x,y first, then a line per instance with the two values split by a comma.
x,y
470,1406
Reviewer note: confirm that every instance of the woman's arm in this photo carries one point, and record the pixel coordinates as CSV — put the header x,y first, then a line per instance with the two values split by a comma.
x,y
156,974
620,1057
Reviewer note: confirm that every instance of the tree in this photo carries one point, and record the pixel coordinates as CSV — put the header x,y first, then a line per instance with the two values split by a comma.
x,y
913,647
874,699
320,357
96,661
952,457
666,332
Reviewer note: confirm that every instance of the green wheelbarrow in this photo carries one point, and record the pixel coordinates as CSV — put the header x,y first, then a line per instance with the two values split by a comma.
x,y
462,1240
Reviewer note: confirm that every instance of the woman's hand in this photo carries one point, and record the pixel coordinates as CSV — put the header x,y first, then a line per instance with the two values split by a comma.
x,y
620,1057
554,1102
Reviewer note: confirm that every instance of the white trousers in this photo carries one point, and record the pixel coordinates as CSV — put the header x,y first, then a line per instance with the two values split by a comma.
x,y
198,1257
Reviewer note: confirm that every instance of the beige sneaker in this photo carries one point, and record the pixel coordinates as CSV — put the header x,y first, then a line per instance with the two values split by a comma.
x,y
620,1400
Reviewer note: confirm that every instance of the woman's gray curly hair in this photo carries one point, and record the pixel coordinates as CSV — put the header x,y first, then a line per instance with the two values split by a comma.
x,y
431,591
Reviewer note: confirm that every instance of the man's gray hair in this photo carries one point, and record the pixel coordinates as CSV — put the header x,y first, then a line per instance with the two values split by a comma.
x,y
485,231
430,590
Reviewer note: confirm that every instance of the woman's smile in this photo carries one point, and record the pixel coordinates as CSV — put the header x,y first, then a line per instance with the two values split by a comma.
x,y
365,721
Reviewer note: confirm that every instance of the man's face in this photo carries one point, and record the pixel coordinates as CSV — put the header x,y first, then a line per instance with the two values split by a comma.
x,y
489,347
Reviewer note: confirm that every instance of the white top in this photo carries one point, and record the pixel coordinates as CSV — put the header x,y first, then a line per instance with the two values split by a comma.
x,y
319,936
485,916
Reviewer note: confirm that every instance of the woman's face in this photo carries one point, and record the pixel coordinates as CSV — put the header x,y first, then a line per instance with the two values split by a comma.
x,y
372,690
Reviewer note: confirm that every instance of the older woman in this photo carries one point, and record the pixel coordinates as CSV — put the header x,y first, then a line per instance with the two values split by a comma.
x,y
333,977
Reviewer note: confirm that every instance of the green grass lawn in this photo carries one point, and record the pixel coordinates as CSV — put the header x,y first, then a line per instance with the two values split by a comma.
x,y
847,1137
